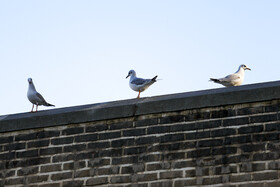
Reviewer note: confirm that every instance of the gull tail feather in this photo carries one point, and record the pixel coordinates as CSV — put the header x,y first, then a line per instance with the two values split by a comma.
x,y
154,79
215,80
48,104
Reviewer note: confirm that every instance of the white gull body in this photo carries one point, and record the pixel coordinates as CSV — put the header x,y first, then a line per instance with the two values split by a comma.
x,y
34,97
139,84
235,79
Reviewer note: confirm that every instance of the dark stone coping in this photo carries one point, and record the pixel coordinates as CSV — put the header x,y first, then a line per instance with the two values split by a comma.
x,y
134,107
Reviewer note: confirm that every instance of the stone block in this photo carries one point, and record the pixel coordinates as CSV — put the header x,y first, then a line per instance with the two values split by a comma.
x,y
14,146
99,145
146,140
172,119
86,138
7,139
123,125
109,135
146,122
238,140
74,130
161,184
27,171
27,154
50,168
210,143
61,141
236,121
223,132
40,143
76,183
265,176
61,176
263,118
251,129
74,148
48,134
208,124
134,132
97,127
50,151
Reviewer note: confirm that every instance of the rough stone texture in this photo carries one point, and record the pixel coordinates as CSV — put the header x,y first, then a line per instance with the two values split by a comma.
x,y
221,137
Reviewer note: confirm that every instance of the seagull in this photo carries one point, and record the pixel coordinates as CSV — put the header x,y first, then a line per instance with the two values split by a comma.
x,y
139,84
235,79
34,97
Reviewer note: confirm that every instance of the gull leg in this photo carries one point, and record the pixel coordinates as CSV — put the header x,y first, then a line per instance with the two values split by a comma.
x,y
32,108
36,108
138,95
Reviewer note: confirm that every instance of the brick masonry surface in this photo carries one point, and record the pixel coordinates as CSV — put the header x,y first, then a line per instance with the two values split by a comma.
x,y
234,145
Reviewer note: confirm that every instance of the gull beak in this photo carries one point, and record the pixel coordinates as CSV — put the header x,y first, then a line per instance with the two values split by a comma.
x,y
127,76
248,68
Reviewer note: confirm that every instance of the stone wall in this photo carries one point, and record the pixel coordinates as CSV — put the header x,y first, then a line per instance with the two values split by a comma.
x,y
220,137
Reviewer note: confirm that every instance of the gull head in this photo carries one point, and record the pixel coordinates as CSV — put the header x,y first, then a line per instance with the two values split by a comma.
x,y
131,73
244,67
29,80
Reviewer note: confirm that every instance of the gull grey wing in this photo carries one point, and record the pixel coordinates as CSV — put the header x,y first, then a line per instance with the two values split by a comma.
x,y
139,81
42,100
230,78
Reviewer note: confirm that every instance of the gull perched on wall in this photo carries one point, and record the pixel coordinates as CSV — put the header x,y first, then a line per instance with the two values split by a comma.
x,y
139,84
34,97
235,79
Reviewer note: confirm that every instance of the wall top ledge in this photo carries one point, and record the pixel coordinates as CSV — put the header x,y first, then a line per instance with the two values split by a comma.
x,y
150,105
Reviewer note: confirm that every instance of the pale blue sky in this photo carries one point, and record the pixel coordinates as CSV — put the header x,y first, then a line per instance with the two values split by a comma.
x,y
79,52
